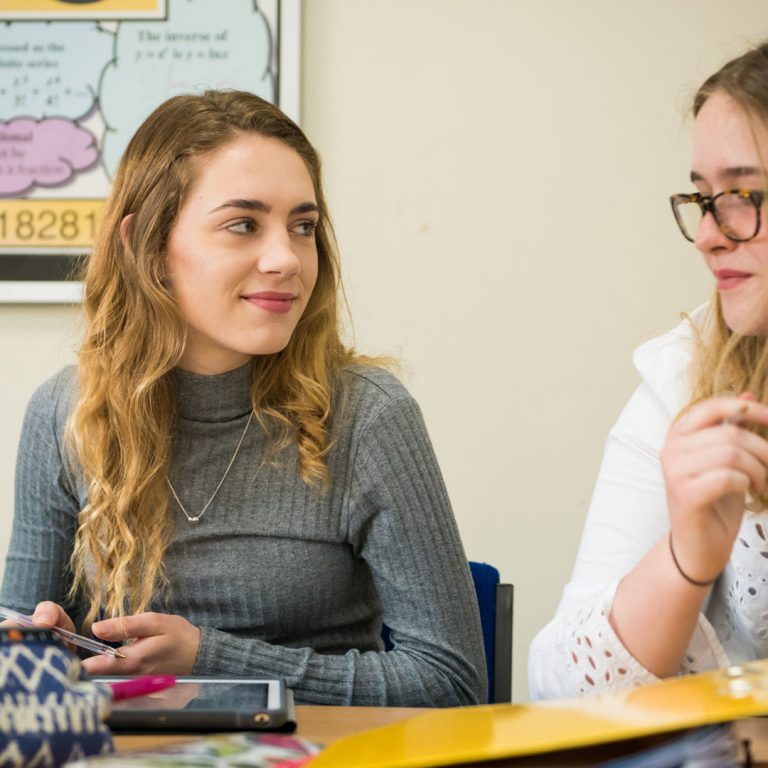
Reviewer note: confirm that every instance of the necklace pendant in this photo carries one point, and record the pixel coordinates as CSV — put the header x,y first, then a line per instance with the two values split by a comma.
x,y
196,518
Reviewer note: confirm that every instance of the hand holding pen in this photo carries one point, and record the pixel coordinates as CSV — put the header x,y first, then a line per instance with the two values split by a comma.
x,y
714,458
158,643
71,637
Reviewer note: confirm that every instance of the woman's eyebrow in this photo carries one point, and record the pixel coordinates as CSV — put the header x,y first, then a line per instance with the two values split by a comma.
x,y
734,172
250,205
262,207
306,208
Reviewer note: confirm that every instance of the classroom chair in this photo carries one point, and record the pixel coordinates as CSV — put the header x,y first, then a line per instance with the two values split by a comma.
x,y
496,604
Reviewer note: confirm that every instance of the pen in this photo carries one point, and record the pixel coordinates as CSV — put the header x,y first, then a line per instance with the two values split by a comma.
x,y
83,642
140,686
737,417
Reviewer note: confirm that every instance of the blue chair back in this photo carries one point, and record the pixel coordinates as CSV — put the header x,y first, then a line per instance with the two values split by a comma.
x,y
486,577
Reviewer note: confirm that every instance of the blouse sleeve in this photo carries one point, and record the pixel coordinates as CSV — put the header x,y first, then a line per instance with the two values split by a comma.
x,y
578,651
46,507
400,522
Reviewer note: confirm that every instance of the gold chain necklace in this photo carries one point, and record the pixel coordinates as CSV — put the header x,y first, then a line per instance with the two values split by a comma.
x,y
196,518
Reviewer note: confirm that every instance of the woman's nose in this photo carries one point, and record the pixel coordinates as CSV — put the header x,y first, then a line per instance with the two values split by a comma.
x,y
277,255
710,237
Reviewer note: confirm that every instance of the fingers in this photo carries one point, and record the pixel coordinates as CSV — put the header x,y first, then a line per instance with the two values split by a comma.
x,y
50,614
711,438
107,665
707,489
741,410
161,643
746,454
131,627
733,435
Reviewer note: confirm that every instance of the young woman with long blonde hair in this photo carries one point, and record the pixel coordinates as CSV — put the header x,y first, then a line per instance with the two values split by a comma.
x,y
220,484
672,571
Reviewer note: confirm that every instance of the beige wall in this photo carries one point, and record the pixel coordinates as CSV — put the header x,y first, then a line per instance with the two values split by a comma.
x,y
498,171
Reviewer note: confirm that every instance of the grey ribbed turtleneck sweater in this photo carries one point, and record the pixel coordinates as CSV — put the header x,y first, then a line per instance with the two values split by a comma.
x,y
284,580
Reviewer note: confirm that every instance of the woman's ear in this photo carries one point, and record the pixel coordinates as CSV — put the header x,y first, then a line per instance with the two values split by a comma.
x,y
125,229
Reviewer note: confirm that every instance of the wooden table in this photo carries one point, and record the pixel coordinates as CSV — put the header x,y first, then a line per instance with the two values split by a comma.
x,y
754,731
325,725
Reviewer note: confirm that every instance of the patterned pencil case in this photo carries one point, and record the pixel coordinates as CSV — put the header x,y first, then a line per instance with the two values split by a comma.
x,y
50,712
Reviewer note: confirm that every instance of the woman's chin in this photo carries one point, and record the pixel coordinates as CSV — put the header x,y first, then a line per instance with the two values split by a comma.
x,y
745,325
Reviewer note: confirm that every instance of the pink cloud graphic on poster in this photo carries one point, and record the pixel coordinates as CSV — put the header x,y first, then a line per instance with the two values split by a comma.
x,y
44,153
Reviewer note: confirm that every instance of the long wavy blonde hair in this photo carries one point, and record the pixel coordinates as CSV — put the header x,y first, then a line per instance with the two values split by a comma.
x,y
121,426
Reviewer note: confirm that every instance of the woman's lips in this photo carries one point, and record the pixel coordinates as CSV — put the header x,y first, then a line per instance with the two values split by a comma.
x,y
730,278
271,301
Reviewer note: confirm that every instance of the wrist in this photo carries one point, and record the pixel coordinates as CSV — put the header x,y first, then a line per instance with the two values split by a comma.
x,y
691,579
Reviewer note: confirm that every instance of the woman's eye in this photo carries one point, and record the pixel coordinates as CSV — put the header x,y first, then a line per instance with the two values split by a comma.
x,y
306,228
242,226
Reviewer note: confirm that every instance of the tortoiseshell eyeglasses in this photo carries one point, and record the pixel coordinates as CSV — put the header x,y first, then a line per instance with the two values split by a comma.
x,y
736,212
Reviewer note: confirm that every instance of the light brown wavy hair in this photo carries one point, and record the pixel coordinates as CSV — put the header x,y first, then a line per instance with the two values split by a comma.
x,y
726,362
121,427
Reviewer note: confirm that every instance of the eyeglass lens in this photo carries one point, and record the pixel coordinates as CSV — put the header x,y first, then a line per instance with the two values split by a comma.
x,y
735,213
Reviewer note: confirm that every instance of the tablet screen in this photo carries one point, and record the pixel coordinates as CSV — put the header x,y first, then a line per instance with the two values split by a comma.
x,y
219,695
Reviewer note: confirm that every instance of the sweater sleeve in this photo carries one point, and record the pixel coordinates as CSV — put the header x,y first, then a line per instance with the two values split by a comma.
x,y
46,508
401,524
578,651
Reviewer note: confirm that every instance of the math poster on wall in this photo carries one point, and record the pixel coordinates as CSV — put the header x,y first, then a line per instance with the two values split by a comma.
x,y
77,78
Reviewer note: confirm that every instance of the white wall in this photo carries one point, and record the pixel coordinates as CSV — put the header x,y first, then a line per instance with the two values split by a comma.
x,y
498,173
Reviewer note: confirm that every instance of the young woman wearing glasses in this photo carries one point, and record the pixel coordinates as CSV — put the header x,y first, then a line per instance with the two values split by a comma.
x,y
672,571
221,485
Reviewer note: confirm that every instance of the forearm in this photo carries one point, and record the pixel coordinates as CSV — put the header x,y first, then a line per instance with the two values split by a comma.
x,y
405,678
655,611
578,652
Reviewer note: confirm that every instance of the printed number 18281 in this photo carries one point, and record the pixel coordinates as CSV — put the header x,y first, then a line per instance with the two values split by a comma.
x,y
38,223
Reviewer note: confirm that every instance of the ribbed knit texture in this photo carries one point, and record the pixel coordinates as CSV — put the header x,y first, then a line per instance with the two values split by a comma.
x,y
284,580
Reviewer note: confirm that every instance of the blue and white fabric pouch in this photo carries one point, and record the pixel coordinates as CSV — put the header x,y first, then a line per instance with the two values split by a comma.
x,y
50,713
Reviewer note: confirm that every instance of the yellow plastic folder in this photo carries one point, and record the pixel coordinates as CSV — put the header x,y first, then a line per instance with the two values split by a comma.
x,y
476,734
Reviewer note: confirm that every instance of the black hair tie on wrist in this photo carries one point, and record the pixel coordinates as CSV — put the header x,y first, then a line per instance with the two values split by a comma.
x,y
695,582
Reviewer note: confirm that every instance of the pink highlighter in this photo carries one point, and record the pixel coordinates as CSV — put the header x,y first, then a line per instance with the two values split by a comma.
x,y
141,686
